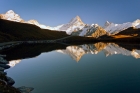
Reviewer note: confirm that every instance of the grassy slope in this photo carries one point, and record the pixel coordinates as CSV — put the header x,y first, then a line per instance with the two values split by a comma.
x,y
14,31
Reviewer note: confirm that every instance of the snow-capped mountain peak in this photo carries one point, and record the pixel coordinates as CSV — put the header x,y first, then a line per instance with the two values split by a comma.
x,y
136,23
74,25
107,23
12,16
76,21
33,22
94,25
10,12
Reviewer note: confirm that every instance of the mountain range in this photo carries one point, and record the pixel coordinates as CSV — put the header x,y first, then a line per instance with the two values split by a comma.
x,y
76,26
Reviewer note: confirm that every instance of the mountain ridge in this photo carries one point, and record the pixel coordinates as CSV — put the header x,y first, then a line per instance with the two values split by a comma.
x,y
113,28
77,27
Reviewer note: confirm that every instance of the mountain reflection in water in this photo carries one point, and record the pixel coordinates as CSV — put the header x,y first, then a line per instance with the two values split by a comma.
x,y
76,52
14,55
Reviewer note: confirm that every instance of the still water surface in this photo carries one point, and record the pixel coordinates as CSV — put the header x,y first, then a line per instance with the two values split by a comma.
x,y
80,70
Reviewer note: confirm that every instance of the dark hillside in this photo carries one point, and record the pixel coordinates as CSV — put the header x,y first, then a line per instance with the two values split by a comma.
x,y
130,31
14,31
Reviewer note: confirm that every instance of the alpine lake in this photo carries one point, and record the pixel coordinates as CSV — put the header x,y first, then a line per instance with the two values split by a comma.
x,y
87,68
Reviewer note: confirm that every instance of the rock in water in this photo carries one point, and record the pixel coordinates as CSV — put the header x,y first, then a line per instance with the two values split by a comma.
x,y
2,72
3,61
10,81
2,69
4,66
24,89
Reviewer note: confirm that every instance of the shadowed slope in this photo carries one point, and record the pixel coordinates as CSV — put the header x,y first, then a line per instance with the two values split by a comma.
x,y
14,31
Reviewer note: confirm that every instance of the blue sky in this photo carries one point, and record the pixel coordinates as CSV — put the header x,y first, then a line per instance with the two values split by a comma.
x,y
57,12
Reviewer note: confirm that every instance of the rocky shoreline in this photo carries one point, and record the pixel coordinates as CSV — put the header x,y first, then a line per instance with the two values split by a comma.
x,y
6,83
